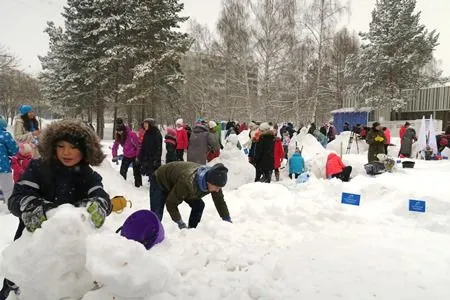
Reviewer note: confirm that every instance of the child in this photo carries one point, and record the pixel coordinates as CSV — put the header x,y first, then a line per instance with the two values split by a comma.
x,y
21,160
8,147
278,156
296,164
286,142
62,175
336,168
171,145
129,141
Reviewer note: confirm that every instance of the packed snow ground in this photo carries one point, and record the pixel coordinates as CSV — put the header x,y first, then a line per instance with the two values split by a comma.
x,y
287,240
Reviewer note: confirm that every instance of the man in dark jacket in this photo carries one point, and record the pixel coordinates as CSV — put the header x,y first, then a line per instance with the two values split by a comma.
x,y
181,181
149,156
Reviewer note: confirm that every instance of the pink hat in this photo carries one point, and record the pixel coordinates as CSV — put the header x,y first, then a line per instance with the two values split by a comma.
x,y
25,149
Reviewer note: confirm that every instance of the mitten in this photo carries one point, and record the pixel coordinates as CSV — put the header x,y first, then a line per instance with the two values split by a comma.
x,y
181,224
33,212
227,219
97,209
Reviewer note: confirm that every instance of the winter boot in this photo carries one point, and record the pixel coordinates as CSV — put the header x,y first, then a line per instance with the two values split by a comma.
x,y
277,175
8,286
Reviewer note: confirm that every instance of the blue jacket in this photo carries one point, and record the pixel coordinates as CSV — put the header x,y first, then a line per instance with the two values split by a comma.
x,y
8,147
296,164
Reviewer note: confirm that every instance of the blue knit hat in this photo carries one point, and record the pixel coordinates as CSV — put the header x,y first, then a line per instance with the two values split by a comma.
x,y
24,109
3,123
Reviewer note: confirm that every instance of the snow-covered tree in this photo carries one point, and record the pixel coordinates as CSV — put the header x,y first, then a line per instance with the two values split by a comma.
x,y
394,52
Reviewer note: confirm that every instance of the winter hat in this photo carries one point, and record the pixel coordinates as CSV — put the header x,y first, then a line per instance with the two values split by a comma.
x,y
376,124
3,123
171,131
150,121
25,149
212,124
217,175
252,125
24,109
264,127
179,122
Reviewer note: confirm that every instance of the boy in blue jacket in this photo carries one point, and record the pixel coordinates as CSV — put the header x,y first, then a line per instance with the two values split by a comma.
x,y
296,164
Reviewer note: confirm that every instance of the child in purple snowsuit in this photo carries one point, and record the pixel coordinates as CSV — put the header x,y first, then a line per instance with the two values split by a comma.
x,y
129,141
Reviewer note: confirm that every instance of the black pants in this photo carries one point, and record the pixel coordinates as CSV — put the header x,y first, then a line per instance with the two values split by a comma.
x,y
295,174
180,154
345,174
157,198
197,207
8,285
263,175
386,148
126,161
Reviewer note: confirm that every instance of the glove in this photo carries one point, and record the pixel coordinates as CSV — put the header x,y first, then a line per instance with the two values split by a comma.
x,y
379,139
33,213
97,210
115,159
181,224
227,219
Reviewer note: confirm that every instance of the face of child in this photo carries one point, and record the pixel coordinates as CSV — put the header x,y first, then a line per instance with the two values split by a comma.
x,y
146,125
68,154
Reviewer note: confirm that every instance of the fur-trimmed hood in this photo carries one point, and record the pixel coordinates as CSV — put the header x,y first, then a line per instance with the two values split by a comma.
x,y
71,130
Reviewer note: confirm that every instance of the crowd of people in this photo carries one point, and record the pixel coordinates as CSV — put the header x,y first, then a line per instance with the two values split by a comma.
x,y
43,170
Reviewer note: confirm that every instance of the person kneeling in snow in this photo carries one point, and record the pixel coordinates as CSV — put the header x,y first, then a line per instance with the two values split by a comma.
x,y
62,175
336,168
180,181
296,164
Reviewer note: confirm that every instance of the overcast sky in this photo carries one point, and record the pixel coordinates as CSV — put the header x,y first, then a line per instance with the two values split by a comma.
x,y
22,23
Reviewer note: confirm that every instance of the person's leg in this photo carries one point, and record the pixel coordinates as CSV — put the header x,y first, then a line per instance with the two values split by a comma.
x,y
124,166
346,173
277,174
6,185
197,207
267,176
157,198
258,175
180,154
296,175
137,174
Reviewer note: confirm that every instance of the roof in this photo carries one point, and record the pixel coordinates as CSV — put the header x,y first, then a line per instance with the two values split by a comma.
x,y
352,109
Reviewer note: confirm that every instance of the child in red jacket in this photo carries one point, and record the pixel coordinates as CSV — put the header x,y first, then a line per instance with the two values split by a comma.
x,y
20,161
278,155
336,168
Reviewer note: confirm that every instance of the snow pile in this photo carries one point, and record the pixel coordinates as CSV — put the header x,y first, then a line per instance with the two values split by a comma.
x,y
308,144
36,261
79,260
240,171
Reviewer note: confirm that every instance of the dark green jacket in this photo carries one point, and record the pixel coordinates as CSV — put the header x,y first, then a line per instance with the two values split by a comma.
x,y
177,180
375,147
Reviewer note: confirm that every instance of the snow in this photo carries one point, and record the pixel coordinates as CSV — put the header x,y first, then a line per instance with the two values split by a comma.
x,y
287,240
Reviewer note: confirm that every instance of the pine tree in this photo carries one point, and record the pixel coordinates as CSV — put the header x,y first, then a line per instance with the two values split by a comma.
x,y
397,48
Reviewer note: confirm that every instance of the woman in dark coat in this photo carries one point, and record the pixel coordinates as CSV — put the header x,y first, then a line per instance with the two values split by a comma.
x,y
151,150
264,154
407,140
375,138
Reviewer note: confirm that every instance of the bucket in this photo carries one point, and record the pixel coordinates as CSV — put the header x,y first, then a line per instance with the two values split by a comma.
x,y
408,164
143,226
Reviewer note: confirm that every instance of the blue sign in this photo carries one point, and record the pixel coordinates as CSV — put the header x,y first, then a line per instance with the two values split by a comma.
x,y
352,199
417,205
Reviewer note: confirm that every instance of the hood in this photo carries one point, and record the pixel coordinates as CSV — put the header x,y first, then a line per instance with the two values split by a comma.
x,y
93,154
332,155
199,129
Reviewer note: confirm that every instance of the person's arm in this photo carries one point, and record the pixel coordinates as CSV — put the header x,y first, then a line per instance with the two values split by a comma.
x,y
221,205
173,199
26,190
11,145
114,148
20,135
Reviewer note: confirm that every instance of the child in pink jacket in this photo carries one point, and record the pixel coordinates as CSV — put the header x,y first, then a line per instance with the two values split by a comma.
x,y
20,161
